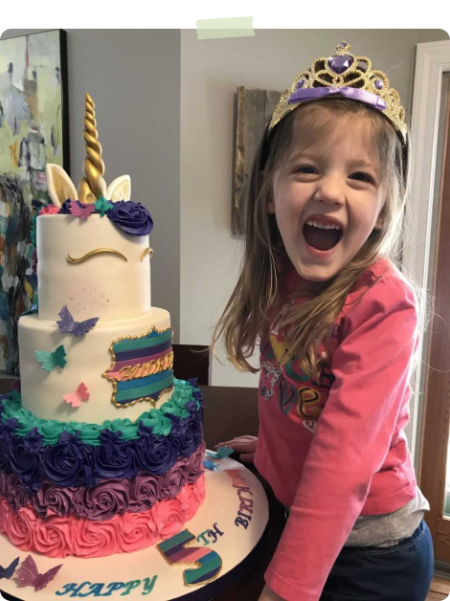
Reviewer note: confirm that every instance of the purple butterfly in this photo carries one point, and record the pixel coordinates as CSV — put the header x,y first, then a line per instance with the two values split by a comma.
x,y
8,572
28,575
82,212
69,325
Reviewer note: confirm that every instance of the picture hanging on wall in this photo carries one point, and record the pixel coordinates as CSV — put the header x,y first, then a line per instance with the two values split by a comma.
x,y
33,132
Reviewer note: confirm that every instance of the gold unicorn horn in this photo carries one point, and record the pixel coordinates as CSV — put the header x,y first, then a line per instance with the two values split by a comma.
x,y
92,186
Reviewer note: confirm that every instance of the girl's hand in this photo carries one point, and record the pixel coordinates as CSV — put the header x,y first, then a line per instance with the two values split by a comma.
x,y
242,444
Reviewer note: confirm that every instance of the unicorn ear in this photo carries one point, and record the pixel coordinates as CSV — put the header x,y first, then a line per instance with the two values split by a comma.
x,y
60,186
119,189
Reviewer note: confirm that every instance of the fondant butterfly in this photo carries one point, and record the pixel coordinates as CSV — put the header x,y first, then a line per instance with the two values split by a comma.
x,y
75,398
8,572
28,575
210,465
221,452
82,212
69,325
50,360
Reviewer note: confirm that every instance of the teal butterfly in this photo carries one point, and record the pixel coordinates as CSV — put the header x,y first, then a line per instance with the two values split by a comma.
x,y
51,360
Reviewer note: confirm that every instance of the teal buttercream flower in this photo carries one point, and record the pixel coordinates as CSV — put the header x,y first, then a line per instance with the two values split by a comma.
x,y
51,430
102,206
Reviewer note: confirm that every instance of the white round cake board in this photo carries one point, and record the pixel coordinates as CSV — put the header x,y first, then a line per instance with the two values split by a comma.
x,y
218,511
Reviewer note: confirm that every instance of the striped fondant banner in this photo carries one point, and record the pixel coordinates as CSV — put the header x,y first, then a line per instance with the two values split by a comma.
x,y
142,367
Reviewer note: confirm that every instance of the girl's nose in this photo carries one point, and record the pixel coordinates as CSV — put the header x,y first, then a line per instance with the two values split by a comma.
x,y
330,189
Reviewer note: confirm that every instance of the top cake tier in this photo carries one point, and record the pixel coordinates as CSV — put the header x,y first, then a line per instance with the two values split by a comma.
x,y
112,283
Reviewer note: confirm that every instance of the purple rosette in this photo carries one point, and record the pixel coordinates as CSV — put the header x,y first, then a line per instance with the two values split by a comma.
x,y
145,491
11,488
132,217
189,436
115,458
102,502
53,499
175,479
159,453
195,462
64,464
24,464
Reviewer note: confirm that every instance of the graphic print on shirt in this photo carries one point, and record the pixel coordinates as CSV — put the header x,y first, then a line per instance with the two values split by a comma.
x,y
283,378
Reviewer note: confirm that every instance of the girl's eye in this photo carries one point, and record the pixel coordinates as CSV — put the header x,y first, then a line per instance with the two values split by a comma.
x,y
360,175
366,176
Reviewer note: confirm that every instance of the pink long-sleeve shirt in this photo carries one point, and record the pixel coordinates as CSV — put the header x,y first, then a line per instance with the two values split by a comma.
x,y
335,449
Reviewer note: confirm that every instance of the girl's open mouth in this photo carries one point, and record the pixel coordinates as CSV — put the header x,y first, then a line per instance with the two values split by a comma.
x,y
321,238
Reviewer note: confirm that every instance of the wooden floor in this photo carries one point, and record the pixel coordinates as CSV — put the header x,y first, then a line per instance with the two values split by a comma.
x,y
440,589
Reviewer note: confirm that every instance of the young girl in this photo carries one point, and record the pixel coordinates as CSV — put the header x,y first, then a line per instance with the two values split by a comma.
x,y
338,325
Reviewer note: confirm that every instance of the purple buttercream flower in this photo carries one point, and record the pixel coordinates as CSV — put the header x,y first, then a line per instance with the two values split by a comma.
x,y
24,464
64,463
175,479
55,499
33,441
102,502
159,454
131,217
190,436
145,491
117,459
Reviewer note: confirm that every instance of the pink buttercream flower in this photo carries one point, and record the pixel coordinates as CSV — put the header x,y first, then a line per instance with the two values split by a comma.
x,y
169,517
52,536
138,531
96,539
49,210
21,525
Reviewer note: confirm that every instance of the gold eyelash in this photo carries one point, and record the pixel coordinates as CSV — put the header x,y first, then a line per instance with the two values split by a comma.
x,y
98,251
147,250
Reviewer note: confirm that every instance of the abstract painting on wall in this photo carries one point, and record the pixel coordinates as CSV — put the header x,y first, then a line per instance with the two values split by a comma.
x,y
33,132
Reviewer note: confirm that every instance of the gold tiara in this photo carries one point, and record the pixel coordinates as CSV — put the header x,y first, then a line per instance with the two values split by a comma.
x,y
346,75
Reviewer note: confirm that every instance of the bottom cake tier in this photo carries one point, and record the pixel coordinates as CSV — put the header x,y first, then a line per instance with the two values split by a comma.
x,y
221,544
90,490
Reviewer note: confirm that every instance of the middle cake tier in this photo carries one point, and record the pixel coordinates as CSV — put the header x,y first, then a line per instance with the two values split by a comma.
x,y
125,365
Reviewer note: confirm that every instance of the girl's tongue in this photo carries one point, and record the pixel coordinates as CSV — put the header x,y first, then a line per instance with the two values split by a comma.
x,y
320,238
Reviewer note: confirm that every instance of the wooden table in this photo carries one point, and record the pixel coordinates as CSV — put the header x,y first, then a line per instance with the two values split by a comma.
x,y
231,412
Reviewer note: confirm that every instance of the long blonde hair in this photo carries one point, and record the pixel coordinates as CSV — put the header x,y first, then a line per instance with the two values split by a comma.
x,y
246,315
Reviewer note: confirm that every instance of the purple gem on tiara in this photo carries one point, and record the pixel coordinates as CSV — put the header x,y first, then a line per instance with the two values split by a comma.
x,y
343,45
300,84
378,84
339,64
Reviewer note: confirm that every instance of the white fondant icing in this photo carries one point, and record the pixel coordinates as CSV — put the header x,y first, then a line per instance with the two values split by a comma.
x,y
105,285
88,357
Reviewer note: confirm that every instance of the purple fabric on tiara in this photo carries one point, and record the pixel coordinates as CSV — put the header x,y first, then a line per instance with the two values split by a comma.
x,y
353,93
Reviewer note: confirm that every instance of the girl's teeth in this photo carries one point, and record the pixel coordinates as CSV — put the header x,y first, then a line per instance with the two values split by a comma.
x,y
327,226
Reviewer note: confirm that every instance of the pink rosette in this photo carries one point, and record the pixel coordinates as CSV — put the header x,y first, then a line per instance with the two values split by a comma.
x,y
49,210
188,500
52,537
138,531
199,489
20,528
169,517
96,539
4,514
